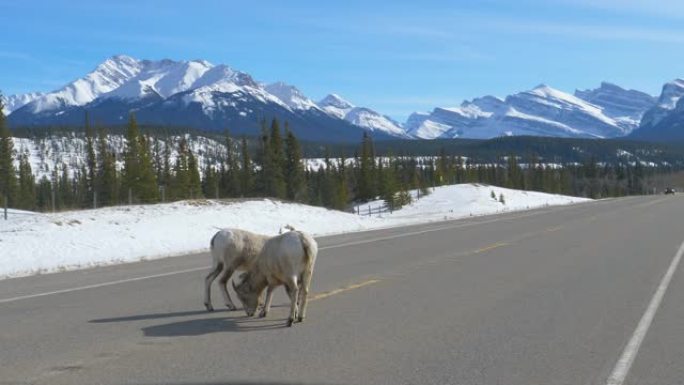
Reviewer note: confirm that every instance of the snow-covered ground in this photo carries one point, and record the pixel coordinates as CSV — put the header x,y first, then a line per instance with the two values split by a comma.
x,y
42,243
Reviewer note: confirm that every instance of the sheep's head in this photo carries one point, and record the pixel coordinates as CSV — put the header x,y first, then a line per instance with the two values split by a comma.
x,y
249,297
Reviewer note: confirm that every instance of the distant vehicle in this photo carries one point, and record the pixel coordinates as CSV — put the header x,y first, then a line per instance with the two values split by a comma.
x,y
669,190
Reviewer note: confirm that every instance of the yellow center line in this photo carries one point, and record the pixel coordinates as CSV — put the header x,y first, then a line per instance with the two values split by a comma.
x,y
490,247
327,294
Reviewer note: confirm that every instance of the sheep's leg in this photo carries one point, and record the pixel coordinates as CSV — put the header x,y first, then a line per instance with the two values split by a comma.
x,y
207,285
223,284
305,283
267,304
293,292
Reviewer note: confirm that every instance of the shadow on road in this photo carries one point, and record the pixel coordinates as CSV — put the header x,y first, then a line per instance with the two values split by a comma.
x,y
142,317
246,383
211,323
198,327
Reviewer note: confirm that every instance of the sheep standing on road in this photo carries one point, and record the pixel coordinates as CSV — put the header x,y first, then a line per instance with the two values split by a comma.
x,y
231,250
287,259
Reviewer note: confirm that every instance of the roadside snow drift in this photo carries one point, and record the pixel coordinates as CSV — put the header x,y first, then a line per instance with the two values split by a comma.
x,y
33,243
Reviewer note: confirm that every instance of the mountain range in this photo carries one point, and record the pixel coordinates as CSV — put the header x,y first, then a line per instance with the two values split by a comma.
x,y
197,94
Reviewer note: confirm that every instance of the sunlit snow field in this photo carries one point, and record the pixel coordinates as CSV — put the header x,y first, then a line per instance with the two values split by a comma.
x,y
33,243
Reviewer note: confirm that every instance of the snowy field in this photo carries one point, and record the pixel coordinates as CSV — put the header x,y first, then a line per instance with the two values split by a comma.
x,y
33,243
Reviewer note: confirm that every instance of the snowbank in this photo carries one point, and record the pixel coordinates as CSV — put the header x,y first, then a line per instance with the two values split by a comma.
x,y
41,243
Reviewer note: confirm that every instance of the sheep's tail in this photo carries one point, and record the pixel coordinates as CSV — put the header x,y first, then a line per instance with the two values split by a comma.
x,y
310,251
211,243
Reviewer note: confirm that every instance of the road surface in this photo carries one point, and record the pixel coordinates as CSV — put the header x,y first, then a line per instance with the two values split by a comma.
x,y
566,295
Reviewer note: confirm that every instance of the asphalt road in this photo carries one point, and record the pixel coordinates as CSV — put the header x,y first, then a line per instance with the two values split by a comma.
x,y
550,296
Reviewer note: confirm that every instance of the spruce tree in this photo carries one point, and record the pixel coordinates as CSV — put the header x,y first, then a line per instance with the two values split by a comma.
x,y
181,180
277,185
131,171
8,177
294,170
246,170
147,190
230,175
366,188
27,185
194,182
91,160
342,186
107,186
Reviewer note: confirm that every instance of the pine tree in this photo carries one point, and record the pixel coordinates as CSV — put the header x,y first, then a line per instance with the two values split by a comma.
x,y
194,181
366,188
230,175
131,171
107,187
91,159
277,162
246,170
148,191
342,186
389,185
180,188
294,170
27,185
210,182
8,177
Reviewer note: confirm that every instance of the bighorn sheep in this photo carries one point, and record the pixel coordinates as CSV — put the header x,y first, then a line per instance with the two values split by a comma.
x,y
287,259
231,249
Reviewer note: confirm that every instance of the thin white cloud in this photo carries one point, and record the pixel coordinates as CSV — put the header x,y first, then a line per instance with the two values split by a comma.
x,y
662,8
15,55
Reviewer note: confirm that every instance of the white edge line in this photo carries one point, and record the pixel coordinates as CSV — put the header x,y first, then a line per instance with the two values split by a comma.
x,y
6,300
460,225
619,374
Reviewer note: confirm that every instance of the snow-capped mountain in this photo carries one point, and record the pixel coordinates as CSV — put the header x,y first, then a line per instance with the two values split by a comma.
x,y
373,121
665,120
542,111
13,102
626,106
194,94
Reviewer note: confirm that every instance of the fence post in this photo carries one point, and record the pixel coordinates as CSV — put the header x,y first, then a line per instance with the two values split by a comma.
x,y
370,214
94,199
130,196
163,193
6,200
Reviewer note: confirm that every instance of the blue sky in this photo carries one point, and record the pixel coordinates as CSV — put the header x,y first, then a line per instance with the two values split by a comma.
x,y
394,56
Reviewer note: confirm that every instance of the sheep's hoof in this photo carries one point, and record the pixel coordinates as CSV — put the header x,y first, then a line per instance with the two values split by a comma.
x,y
231,307
300,319
290,321
209,307
262,314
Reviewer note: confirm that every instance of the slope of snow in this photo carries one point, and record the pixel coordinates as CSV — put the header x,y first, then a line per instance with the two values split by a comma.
x,y
373,121
46,154
334,105
290,95
81,239
14,102
369,119
626,107
541,111
670,95
168,85
108,76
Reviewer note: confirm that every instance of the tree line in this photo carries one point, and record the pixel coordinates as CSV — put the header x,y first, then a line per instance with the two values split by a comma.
x,y
272,166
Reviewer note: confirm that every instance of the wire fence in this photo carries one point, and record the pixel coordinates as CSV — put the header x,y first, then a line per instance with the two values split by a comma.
x,y
369,210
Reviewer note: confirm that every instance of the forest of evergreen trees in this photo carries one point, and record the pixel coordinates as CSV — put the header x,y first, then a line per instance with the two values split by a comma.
x,y
274,168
